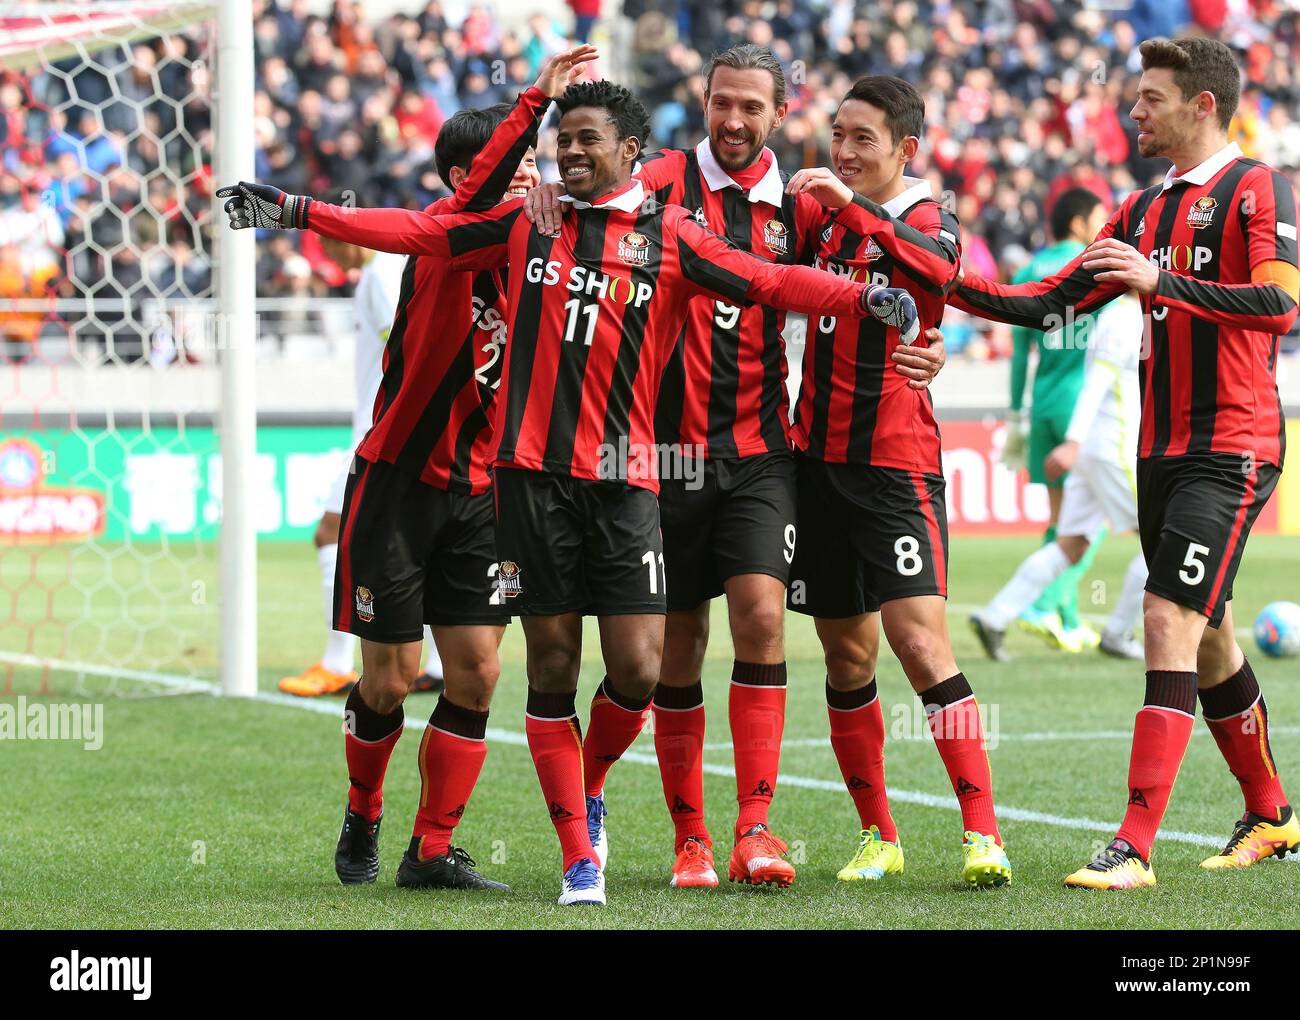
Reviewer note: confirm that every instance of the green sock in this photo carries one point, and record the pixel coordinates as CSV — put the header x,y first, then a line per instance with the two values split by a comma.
x,y
1064,591
1047,602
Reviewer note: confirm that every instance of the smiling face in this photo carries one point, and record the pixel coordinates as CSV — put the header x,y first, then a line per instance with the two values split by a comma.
x,y
1167,121
593,160
741,109
864,152
525,179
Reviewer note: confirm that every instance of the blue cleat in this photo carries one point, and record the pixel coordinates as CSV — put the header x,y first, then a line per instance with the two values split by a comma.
x,y
583,885
596,828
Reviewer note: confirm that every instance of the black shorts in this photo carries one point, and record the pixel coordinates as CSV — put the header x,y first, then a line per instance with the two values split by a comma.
x,y
1194,514
736,517
411,554
867,535
571,545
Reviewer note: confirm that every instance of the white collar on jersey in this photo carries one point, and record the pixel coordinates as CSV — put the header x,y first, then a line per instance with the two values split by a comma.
x,y
626,201
1204,170
770,189
916,189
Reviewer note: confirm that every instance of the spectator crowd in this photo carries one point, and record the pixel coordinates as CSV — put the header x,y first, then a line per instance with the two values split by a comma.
x,y
105,168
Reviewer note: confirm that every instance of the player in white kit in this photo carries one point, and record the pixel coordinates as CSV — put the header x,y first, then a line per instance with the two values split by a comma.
x,y
1100,452
374,303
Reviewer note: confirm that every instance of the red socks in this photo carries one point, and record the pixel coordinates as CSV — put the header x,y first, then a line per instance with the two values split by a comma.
x,y
679,744
1238,718
451,757
1160,735
555,740
958,733
757,711
858,739
615,722
368,742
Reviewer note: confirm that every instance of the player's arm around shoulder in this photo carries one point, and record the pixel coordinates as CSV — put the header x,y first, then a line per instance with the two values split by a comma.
x,y
661,169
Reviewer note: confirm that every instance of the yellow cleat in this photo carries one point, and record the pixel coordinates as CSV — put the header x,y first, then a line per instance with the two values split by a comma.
x,y
1119,866
986,863
1256,837
875,859
316,681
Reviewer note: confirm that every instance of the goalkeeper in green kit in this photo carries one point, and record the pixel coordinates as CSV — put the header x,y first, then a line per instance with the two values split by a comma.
x,y
1076,218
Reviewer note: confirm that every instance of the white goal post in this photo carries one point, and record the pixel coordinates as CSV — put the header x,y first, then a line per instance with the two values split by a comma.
x,y
236,292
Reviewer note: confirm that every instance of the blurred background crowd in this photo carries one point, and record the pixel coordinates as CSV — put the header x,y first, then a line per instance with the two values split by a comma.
x,y
1025,98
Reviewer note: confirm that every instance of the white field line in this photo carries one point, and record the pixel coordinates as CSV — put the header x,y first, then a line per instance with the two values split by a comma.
x,y
169,680
513,738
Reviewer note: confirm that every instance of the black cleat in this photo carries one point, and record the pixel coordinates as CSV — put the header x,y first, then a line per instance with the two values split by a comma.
x,y
427,683
356,859
990,639
454,870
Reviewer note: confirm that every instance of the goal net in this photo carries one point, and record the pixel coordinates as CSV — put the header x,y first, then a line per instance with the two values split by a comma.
x,y
110,473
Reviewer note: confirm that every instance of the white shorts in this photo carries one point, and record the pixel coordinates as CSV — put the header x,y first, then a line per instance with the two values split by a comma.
x,y
1096,492
334,501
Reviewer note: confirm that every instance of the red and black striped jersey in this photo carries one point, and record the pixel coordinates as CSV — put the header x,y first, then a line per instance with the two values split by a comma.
x,y
595,314
442,362
853,407
724,390
1209,355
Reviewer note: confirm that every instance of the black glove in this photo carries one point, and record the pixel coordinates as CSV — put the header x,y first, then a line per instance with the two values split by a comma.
x,y
894,307
264,207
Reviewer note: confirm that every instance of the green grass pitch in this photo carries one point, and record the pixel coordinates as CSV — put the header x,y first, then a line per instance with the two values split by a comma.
x,y
203,812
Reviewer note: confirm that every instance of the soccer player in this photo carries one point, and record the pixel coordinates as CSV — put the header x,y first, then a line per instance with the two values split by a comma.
x,y
1098,453
1077,216
873,547
374,302
595,314
1212,252
417,543
729,523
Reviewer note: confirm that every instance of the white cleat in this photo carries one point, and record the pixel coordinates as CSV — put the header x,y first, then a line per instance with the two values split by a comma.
x,y
1121,646
583,885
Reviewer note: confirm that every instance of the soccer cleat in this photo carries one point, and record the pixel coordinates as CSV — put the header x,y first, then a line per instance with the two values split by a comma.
x,y
693,868
316,681
583,885
356,858
596,828
1049,627
452,870
990,639
1118,866
1039,622
875,859
985,864
427,683
1121,646
1256,837
1082,638
756,859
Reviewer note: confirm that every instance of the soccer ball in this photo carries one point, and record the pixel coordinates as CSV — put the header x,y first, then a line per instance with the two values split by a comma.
x,y
1277,629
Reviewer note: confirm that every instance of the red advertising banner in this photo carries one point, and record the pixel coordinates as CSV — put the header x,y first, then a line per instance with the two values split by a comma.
x,y
987,498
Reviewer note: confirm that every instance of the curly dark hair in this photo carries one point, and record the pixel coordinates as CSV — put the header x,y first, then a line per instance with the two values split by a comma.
x,y
629,117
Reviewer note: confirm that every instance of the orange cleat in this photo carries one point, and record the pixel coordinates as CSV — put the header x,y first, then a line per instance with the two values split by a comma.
x,y
693,868
316,681
757,859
